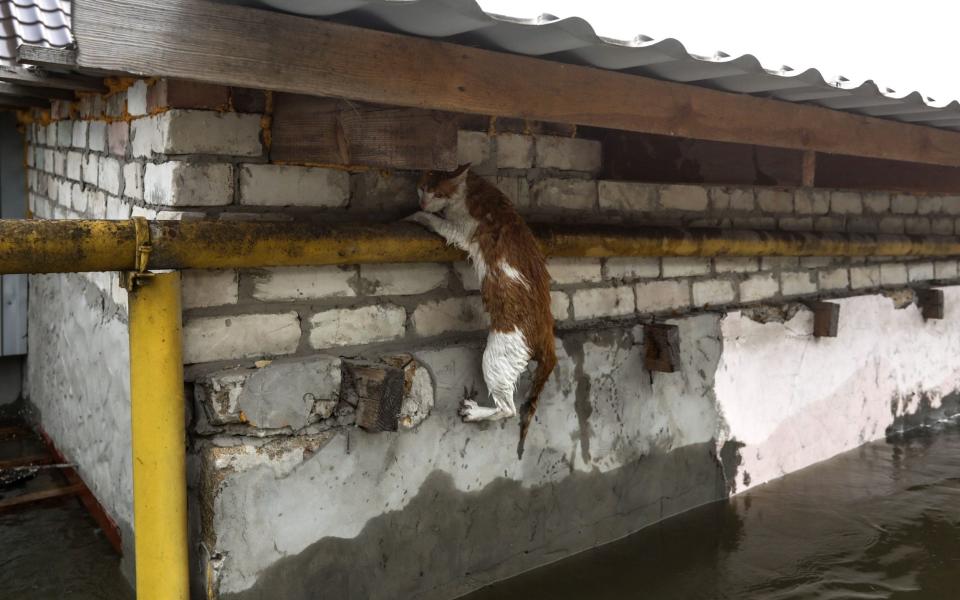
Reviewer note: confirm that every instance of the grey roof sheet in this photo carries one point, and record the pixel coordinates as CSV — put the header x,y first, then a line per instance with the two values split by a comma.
x,y
573,40
37,22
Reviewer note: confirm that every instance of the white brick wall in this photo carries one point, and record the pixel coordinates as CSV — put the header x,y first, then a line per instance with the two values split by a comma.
x,y
736,264
565,194
794,284
658,296
401,279
833,279
110,176
514,151
560,306
945,269
866,276
683,197
473,147
569,154
197,132
920,271
280,185
713,292
625,196
564,271
592,303
685,266
759,287
208,339
893,274
303,283
133,180
354,326
453,314
177,183
202,288
631,267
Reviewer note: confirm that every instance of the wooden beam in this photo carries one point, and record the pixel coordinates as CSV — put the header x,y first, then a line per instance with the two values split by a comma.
x,y
41,79
851,172
661,348
239,46
930,303
808,174
42,56
324,130
24,91
26,461
826,319
57,492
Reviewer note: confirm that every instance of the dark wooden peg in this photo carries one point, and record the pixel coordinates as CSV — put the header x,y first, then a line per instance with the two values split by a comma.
x,y
662,348
826,319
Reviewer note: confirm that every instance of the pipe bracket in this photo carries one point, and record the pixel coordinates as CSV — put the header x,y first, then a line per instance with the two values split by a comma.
x,y
131,279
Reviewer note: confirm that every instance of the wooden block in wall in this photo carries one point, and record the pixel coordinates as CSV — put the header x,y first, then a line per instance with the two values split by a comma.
x,y
307,129
826,319
930,303
662,348
376,390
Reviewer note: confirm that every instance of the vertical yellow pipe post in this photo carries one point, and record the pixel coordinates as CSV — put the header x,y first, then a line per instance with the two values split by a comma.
x,y
158,439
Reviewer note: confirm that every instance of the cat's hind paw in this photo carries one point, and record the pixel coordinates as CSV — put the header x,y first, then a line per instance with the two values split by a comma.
x,y
472,412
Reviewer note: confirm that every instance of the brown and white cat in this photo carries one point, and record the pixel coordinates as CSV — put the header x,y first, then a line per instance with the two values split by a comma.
x,y
473,215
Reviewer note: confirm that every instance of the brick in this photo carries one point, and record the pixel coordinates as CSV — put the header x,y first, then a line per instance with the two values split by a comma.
x,y
175,93
514,151
467,275
713,292
815,262
78,200
79,137
754,223
65,193
96,203
137,98
684,266
246,100
683,197
735,264
941,226
793,284
631,267
594,303
565,194
951,205
303,283
928,205
626,196
474,147
574,270
891,225
118,137
110,175
115,105
453,314
514,188
560,306
64,133
658,296
181,215
893,274
876,202
280,185
863,224
176,183
91,168
828,224
48,160
776,201
742,199
833,279
920,271
846,203
117,208
867,276
759,287
74,165
568,154
203,288
945,269
917,225
903,204
208,339
97,140
59,163
133,180
403,279
796,223
197,132
51,134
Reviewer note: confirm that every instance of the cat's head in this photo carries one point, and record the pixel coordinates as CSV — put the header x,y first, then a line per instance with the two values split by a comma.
x,y
438,190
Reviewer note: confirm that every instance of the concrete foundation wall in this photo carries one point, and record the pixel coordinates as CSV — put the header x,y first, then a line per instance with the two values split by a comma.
x,y
289,498
11,379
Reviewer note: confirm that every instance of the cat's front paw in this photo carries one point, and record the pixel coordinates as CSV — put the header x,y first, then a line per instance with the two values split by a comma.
x,y
420,217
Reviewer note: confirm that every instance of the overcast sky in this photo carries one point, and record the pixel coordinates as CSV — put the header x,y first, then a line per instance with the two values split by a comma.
x,y
906,46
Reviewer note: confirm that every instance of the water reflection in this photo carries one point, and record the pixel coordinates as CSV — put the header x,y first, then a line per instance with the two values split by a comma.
x,y
881,521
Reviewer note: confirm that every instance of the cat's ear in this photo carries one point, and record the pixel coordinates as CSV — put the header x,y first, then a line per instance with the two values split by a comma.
x,y
460,174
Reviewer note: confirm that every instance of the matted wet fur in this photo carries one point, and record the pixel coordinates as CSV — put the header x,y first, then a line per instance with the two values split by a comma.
x,y
473,215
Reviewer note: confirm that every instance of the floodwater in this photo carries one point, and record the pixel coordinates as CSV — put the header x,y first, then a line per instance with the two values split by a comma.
x,y
880,521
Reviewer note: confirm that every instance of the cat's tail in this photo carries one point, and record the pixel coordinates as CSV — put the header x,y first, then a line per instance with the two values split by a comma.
x,y
545,364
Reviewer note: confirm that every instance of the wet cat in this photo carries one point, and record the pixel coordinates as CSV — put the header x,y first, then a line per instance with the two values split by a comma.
x,y
473,215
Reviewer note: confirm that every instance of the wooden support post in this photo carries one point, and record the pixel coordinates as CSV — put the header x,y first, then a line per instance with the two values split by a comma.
x,y
662,348
809,172
376,390
826,319
930,303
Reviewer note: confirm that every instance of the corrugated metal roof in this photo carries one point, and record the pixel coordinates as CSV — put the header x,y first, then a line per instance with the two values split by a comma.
x,y
36,22
573,40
